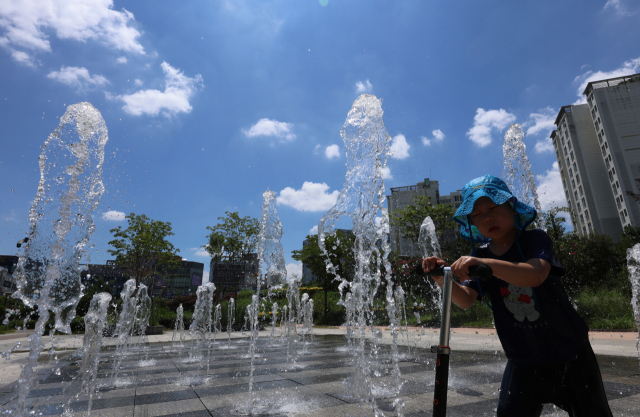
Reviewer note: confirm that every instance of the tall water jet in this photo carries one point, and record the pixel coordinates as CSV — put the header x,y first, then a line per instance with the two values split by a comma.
x,y
272,269
429,246
362,198
274,320
217,322
85,382
143,313
201,324
179,327
517,168
61,224
126,323
633,264
231,309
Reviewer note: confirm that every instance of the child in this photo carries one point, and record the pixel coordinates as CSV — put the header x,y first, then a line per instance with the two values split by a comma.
x,y
550,359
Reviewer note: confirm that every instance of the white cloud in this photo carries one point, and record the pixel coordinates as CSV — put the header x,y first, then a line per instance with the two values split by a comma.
x,y
438,136
311,197
365,87
550,191
386,173
205,277
314,230
486,121
138,82
122,60
399,147
268,127
294,268
78,78
201,252
174,99
617,7
112,215
542,121
332,151
628,68
27,25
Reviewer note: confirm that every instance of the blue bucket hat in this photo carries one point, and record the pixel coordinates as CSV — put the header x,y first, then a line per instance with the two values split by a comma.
x,y
499,193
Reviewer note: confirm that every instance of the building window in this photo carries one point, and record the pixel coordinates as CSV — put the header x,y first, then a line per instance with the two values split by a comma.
x,y
618,201
595,108
590,228
569,143
603,151
570,173
606,161
581,219
578,178
586,213
610,177
572,157
575,193
573,183
606,145
580,188
579,206
575,168
584,202
625,213
613,170
565,150
568,163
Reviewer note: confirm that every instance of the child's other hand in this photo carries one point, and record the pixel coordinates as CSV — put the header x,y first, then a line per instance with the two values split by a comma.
x,y
429,263
460,268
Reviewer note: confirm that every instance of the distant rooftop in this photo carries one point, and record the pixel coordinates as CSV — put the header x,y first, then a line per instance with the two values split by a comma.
x,y
563,110
611,82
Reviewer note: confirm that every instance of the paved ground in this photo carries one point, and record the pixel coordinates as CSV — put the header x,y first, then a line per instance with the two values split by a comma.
x,y
168,383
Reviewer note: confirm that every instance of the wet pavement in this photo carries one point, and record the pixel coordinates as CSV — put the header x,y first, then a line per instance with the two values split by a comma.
x,y
165,381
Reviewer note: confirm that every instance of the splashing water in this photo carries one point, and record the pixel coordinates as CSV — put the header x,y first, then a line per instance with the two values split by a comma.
x,y
61,224
85,382
633,264
362,197
517,169
429,246
274,319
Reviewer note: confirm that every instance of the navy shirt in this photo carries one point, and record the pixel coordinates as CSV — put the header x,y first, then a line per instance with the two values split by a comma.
x,y
537,326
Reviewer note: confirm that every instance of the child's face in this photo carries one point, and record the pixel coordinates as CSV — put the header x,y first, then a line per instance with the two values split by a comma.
x,y
492,220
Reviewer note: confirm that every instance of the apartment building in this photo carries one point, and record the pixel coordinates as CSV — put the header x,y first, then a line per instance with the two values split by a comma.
x,y
597,146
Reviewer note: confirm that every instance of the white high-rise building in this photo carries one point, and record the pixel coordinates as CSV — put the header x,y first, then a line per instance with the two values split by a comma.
x,y
598,150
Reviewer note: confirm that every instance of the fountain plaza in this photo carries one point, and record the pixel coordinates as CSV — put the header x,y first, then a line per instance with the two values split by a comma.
x,y
169,382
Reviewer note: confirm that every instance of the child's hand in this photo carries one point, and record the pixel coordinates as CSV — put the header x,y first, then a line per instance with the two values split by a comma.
x,y
460,268
429,263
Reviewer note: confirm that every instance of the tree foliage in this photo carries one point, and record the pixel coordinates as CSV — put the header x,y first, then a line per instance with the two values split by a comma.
x,y
143,247
234,237
340,248
410,218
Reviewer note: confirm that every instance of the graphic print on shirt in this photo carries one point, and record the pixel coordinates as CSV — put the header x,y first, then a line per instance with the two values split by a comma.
x,y
520,302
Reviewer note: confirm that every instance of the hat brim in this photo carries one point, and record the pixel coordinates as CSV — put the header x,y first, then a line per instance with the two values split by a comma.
x,y
525,214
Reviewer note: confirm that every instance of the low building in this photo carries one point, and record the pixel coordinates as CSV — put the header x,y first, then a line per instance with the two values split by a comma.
x,y
232,275
8,264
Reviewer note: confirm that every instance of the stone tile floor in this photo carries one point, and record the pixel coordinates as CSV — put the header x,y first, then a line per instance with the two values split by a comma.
x,y
166,381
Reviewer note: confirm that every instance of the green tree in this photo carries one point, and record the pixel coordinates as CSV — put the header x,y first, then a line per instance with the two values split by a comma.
x,y
340,248
234,237
553,223
410,218
143,247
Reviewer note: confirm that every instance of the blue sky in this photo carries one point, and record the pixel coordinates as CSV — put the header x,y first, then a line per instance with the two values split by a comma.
x,y
208,104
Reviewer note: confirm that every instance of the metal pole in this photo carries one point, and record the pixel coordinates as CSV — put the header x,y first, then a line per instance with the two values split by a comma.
x,y
443,350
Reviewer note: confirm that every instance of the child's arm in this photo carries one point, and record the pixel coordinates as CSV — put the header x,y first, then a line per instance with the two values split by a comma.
x,y
462,296
522,274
